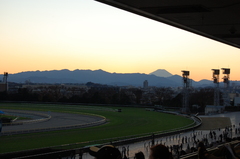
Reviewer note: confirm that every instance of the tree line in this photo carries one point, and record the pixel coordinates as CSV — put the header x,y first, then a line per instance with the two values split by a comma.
x,y
165,96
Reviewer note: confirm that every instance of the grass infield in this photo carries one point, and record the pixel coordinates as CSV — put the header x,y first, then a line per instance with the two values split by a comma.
x,y
131,121
13,117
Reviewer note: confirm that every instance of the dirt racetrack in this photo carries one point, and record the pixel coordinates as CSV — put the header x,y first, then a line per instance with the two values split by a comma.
x,y
58,121
212,123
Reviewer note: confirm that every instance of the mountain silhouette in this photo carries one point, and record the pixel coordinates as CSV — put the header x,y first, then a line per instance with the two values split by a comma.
x,y
102,77
161,73
84,76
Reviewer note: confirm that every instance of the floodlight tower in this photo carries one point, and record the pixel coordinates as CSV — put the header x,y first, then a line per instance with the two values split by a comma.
x,y
216,89
226,72
186,85
5,76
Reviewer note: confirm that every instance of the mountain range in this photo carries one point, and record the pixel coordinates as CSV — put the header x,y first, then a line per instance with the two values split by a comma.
x,y
157,78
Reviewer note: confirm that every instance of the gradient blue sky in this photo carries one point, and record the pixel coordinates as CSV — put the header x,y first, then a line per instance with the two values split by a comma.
x,y
85,34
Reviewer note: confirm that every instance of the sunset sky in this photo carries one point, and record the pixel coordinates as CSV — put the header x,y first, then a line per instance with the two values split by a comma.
x,y
85,34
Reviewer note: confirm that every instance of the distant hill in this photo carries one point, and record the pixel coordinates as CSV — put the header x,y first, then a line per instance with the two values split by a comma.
x,y
103,77
206,83
84,76
161,73
179,80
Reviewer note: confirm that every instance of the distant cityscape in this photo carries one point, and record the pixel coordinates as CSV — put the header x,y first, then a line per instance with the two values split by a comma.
x,y
165,92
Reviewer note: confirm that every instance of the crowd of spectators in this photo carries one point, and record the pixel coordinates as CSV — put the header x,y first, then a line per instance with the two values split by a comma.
x,y
110,152
162,151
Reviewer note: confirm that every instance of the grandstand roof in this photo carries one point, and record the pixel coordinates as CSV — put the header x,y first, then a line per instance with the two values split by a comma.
x,y
214,19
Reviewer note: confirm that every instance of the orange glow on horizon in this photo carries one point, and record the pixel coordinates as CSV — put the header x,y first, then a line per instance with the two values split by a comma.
x,y
71,36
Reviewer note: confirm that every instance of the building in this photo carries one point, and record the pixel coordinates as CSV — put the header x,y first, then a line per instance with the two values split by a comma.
x,y
145,84
212,109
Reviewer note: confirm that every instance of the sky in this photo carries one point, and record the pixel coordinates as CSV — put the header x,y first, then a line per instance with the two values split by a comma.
x,y
85,34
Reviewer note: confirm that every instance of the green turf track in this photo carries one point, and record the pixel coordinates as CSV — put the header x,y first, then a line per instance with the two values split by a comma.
x,y
131,121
